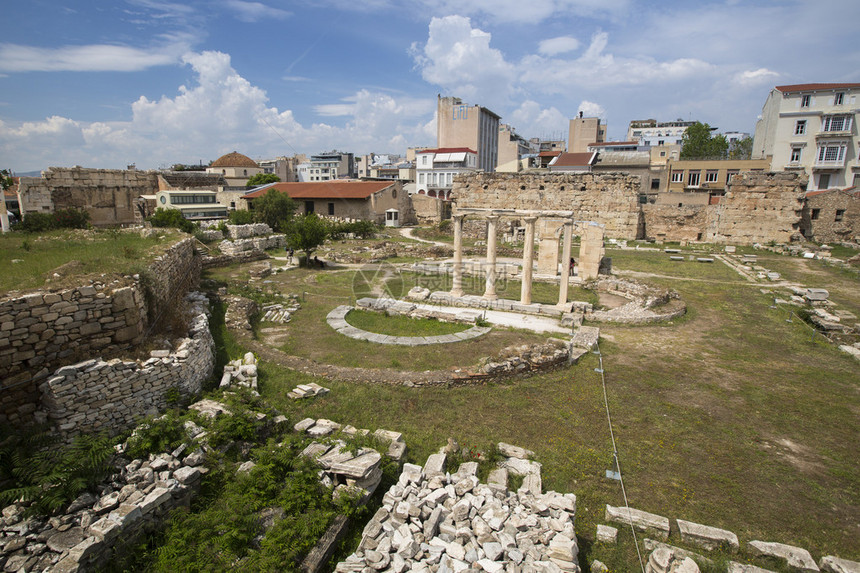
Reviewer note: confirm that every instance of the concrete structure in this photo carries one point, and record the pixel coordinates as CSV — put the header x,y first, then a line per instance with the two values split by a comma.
x,y
832,215
640,163
709,176
286,168
652,133
435,169
512,147
459,125
194,205
583,132
360,200
811,128
236,168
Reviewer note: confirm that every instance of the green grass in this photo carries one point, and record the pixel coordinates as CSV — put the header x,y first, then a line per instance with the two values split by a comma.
x,y
381,323
75,254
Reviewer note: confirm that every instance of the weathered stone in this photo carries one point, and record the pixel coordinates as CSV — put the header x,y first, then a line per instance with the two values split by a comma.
x,y
606,534
710,538
435,465
793,556
641,520
510,451
359,466
65,540
735,567
186,475
833,564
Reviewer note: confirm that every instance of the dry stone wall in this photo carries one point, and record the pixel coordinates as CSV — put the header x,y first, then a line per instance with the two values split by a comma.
x,y
671,223
113,395
611,199
108,195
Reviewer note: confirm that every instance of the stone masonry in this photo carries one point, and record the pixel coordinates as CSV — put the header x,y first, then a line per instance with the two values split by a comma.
x,y
113,395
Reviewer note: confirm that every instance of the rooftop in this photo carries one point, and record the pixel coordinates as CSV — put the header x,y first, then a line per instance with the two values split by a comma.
x,y
346,189
815,87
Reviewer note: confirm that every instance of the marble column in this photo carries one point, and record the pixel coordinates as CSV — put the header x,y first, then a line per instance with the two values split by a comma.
x,y
565,263
528,260
490,291
457,281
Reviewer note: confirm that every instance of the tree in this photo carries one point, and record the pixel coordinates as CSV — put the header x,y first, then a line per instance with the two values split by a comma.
x,y
741,148
698,143
306,233
274,209
171,218
262,179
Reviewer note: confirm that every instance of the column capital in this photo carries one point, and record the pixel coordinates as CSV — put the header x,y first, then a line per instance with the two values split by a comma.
x,y
492,217
530,219
460,216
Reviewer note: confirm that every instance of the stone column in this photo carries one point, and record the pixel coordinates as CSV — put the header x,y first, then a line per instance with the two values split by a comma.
x,y
457,281
490,291
528,259
565,263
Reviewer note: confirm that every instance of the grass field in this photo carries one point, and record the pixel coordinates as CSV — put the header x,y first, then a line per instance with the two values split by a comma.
x,y
730,416
75,254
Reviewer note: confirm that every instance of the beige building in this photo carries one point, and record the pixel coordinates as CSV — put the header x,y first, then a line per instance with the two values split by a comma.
x,y
236,168
583,132
710,177
812,128
512,146
194,205
345,199
286,168
473,127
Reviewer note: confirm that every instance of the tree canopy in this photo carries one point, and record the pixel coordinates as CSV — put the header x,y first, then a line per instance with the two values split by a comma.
x,y
262,179
306,233
698,143
275,209
741,148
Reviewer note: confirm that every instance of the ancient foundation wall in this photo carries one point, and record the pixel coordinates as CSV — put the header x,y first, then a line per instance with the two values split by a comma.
x,y
837,216
758,207
672,223
42,331
611,199
114,395
108,195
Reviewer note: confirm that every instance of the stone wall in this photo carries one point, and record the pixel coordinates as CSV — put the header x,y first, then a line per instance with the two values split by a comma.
x,y
829,225
42,331
259,244
108,195
113,395
246,231
673,223
758,208
611,199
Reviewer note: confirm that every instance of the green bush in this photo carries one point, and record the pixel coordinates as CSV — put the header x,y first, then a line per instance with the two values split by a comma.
x,y
171,218
155,436
240,218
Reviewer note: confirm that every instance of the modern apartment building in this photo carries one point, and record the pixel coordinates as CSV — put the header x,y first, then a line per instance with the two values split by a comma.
x,y
512,146
286,168
709,176
812,128
583,132
459,125
435,169
655,133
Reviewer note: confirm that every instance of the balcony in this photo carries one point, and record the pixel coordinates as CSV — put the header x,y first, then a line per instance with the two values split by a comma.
x,y
827,134
829,164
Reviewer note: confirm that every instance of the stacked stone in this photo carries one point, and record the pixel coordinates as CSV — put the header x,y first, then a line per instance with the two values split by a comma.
x,y
240,372
95,395
239,312
432,521
138,499
664,560
531,357
349,472
247,231
212,235
240,246
279,313
307,391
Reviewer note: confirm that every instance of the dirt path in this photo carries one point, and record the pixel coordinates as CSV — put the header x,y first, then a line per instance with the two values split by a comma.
x,y
408,233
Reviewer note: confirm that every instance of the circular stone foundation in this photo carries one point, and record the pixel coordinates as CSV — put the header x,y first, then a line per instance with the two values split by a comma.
x,y
337,320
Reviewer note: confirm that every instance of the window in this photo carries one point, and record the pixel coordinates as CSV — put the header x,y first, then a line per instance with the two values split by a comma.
x,y
423,160
804,101
331,208
309,206
839,99
660,142
655,184
420,178
711,176
824,181
831,153
800,127
677,177
731,173
815,213
693,180
836,123
839,214
795,154
662,154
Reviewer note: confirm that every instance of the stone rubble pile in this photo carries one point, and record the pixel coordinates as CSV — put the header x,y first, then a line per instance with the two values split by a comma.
x,y
432,521
247,231
136,499
240,372
240,246
280,313
664,560
349,472
322,428
307,391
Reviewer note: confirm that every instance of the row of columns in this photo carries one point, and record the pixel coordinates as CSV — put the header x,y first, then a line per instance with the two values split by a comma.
x,y
528,259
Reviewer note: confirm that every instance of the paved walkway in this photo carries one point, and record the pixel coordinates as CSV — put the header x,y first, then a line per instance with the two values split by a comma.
x,y
337,320
408,233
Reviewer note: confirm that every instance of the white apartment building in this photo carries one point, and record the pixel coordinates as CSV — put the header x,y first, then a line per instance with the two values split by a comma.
x,y
435,169
812,128
652,133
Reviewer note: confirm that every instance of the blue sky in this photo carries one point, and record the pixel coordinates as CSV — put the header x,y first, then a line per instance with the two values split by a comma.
x,y
153,82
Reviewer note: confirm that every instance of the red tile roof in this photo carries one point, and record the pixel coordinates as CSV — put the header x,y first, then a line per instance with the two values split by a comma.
x,y
849,190
550,153
574,159
815,87
325,189
448,150
609,143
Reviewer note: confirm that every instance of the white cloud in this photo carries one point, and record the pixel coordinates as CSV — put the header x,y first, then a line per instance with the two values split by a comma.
x,y
459,58
591,109
560,45
759,77
221,111
532,120
255,11
516,11
91,58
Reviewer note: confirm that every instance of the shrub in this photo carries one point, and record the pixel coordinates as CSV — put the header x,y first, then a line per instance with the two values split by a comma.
x,y
36,223
71,218
171,218
240,218
155,436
